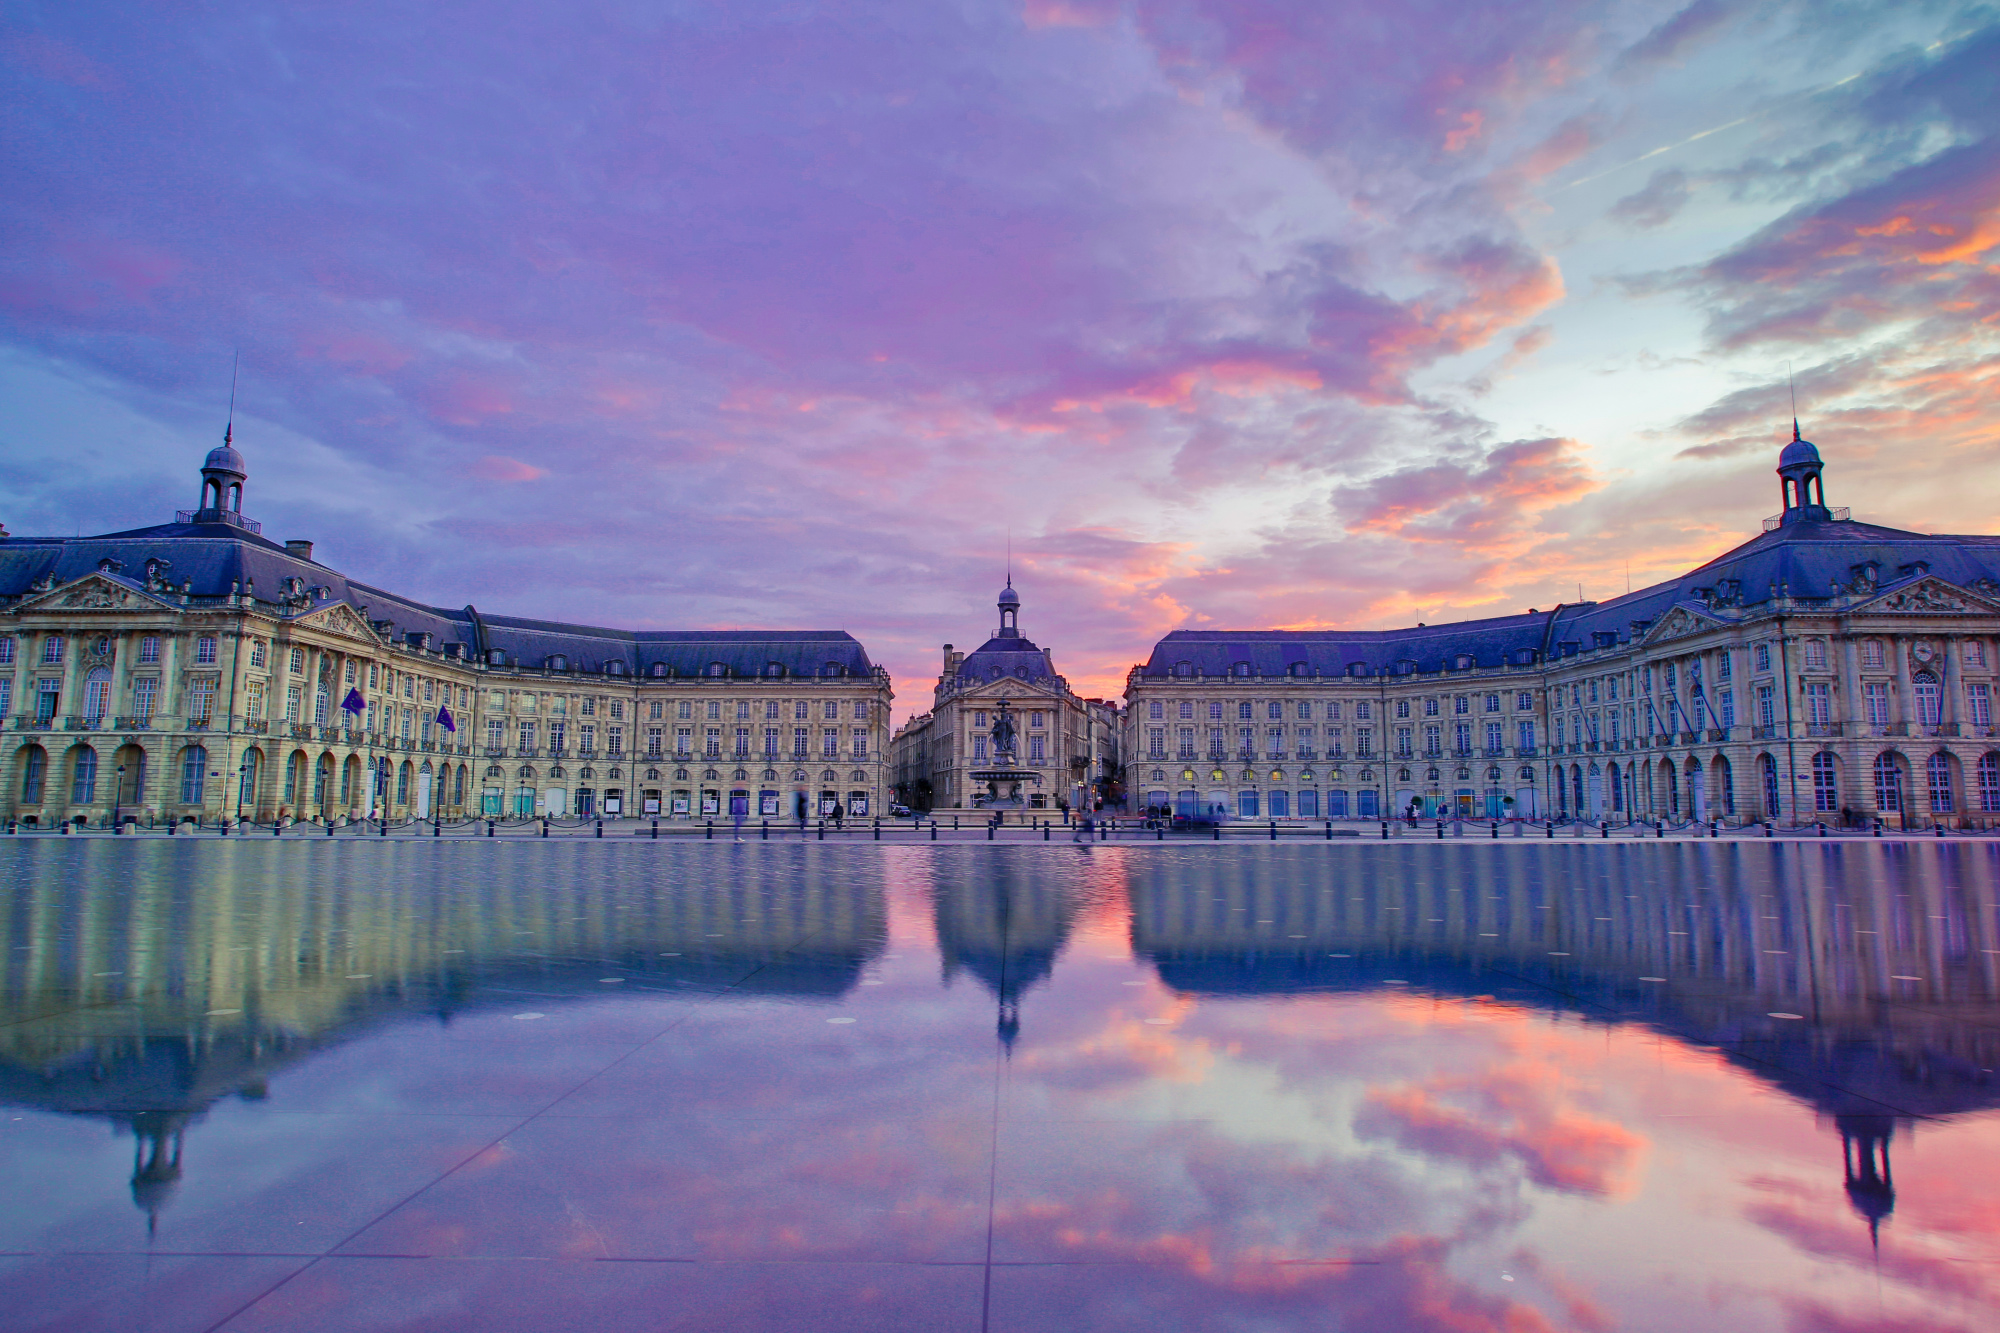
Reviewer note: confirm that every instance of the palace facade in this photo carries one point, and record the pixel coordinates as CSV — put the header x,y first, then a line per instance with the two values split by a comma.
x,y
197,670
1827,670
1067,747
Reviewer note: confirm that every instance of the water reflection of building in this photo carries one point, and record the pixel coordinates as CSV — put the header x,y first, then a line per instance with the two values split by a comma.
x,y
144,999
1006,927
1862,980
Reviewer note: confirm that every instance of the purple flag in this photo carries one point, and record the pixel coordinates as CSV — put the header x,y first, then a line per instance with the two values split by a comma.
x,y
444,719
353,703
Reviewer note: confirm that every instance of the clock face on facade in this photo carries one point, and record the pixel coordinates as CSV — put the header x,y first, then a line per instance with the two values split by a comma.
x,y
1922,652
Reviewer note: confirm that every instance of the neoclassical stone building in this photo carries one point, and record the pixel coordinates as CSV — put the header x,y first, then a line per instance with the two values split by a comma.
x,y
198,670
1825,670
1066,749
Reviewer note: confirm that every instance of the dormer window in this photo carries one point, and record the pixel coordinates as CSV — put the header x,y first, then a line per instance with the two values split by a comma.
x,y
716,670
1183,670
558,662
1298,668
657,670
1240,669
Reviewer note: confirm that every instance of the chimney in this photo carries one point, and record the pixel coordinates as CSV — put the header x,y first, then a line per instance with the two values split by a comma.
x,y
298,549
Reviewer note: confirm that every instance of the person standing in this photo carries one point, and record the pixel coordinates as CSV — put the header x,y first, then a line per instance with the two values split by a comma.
x,y
799,810
839,813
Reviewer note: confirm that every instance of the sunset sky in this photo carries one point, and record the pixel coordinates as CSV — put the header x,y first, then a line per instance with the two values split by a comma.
x,y
1234,313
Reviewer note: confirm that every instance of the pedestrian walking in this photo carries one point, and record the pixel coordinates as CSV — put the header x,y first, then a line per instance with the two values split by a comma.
x,y
799,810
839,813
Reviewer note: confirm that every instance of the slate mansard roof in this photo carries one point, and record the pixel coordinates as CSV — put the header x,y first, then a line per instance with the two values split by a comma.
x,y
209,558
1806,561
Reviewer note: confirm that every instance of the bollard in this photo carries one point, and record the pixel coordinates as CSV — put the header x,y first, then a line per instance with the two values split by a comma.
x,y
656,829
1659,828
1385,830
1937,828
1552,828
1159,831
1822,828
489,827
1604,829
1878,828
1440,830
1045,830
708,829
989,833
1496,828
1329,830
822,830
277,828
878,828
600,826
1217,828
545,826
222,829
1767,829
764,830
954,823
437,828
1274,830
933,830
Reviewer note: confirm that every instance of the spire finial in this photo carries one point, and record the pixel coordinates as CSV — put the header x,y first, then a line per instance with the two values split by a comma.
x,y
229,429
1792,385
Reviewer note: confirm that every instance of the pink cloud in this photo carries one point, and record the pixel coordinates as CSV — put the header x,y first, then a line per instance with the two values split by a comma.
x,y
495,468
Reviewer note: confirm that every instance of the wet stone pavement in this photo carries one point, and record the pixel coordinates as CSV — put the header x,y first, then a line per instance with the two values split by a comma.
x,y
397,1085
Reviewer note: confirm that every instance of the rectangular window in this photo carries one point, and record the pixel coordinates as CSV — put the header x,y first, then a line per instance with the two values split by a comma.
x,y
1871,654
618,708
6,695
52,648
1363,711
979,747
1246,741
1275,712
201,701
1767,707
1404,747
1979,704
204,650
1729,708
298,662
800,741
587,737
1364,742
7,654
1333,712
1037,749
1875,698
558,735
1187,709
144,692
1274,743
1763,658
257,656
1819,704
1815,654
1156,742
1975,654
742,710
1243,712
614,739
1930,703
1156,711
48,696
742,742
829,742
711,742
1722,660
832,710
860,710
655,739
860,742
1433,742
253,702
527,733
1525,734
496,733
1494,740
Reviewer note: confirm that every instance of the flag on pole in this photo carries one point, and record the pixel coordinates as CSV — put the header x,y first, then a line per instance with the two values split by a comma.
x,y
353,703
444,719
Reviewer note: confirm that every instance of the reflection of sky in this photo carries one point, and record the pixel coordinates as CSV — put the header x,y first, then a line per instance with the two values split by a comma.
x,y
742,1085
1358,314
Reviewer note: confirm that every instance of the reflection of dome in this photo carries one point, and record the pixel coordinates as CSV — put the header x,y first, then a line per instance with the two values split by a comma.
x,y
1798,451
224,458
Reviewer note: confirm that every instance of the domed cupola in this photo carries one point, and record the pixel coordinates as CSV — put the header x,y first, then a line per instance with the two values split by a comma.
x,y
1799,478
1010,611
222,478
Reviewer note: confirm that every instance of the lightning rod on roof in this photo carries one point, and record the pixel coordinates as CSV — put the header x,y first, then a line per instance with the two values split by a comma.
x,y
235,359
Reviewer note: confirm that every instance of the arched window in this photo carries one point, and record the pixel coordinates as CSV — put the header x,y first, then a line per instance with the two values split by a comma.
x,y
1929,700
1826,782
1989,783
1767,768
1938,772
96,694
1616,789
458,788
34,772
246,791
83,774
1725,783
1888,784
194,772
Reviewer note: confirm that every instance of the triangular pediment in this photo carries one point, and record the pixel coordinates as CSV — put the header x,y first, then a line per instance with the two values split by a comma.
x,y
1680,622
341,619
96,592
1930,596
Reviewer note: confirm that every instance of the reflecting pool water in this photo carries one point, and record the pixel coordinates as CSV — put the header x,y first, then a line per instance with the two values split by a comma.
x,y
806,1086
